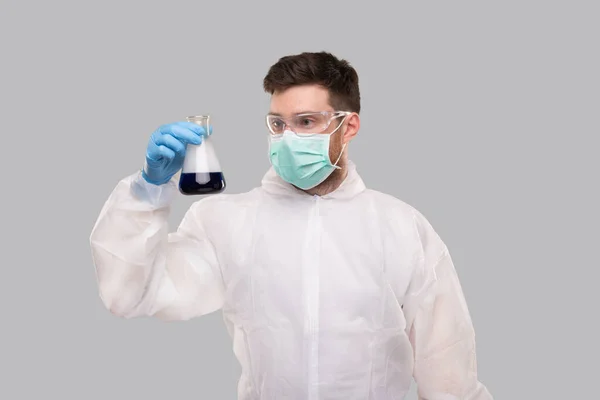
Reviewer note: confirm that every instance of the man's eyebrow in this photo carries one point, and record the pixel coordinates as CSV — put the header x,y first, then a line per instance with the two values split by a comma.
x,y
297,113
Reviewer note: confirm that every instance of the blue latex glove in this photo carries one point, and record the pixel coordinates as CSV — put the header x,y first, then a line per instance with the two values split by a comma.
x,y
166,150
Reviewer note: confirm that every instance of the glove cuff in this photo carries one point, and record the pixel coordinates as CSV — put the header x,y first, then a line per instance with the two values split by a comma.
x,y
158,195
150,180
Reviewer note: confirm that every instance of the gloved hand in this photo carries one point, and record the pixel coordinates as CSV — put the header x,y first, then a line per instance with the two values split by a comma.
x,y
166,150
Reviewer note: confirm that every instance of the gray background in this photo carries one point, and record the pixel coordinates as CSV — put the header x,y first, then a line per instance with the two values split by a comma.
x,y
483,115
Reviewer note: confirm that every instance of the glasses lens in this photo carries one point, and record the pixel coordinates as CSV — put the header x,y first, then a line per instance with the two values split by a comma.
x,y
276,124
303,123
309,123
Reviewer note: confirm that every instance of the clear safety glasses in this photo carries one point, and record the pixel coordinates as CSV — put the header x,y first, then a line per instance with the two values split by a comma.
x,y
308,123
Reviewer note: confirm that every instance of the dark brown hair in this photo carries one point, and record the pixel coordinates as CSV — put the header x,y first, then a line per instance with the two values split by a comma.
x,y
322,68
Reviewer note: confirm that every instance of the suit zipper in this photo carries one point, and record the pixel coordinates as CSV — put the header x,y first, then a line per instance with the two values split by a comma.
x,y
312,286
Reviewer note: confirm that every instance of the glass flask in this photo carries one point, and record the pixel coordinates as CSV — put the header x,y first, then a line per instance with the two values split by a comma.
x,y
201,173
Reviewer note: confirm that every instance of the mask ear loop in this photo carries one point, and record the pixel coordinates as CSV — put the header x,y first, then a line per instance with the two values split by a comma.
x,y
340,156
343,147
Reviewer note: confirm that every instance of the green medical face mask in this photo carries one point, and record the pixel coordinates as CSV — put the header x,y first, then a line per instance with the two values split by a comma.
x,y
302,159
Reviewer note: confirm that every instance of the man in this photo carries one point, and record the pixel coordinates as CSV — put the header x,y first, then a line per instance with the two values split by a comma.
x,y
329,290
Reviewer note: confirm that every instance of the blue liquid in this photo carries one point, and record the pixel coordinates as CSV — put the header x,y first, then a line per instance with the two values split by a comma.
x,y
201,183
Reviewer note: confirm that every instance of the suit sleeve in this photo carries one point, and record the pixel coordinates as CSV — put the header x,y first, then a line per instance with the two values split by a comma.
x,y
439,325
142,269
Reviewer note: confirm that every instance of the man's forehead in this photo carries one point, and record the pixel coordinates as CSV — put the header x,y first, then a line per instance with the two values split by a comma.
x,y
299,100
298,107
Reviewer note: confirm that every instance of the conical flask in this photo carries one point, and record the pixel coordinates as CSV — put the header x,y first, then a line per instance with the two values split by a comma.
x,y
201,173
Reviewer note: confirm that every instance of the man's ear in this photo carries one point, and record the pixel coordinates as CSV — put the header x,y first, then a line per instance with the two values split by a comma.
x,y
352,126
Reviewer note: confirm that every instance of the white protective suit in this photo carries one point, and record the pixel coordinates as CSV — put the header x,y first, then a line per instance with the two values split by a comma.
x,y
340,297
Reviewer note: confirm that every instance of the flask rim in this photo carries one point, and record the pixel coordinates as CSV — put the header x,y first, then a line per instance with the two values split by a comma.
x,y
202,120
192,118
